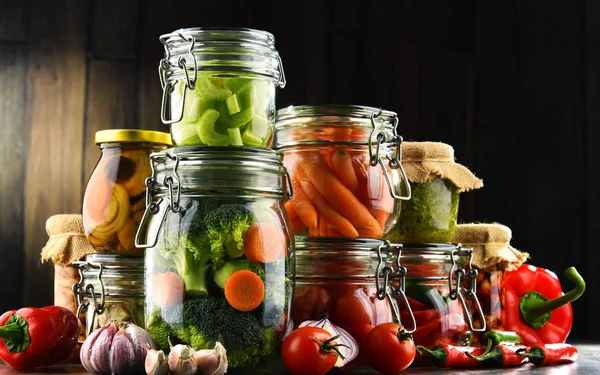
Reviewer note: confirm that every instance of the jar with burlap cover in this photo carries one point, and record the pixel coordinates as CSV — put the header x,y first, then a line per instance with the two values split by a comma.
x,y
492,256
436,180
66,244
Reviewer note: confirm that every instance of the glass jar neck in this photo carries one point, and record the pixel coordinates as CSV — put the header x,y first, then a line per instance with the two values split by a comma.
x,y
147,146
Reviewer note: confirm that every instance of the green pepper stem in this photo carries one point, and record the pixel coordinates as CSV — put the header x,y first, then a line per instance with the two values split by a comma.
x,y
571,274
12,332
439,355
487,351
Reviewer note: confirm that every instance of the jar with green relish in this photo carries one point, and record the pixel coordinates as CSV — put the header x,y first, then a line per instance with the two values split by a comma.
x,y
436,181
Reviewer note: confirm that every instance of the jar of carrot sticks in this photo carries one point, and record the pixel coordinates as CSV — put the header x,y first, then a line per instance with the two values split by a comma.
x,y
341,283
115,195
345,169
440,287
219,252
492,257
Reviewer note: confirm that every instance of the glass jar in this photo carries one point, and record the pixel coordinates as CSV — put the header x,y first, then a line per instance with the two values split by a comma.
x,y
344,162
430,215
436,180
490,292
114,199
440,286
344,280
219,252
219,86
111,287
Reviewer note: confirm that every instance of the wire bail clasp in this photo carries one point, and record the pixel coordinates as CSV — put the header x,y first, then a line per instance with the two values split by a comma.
x,y
86,292
395,161
168,87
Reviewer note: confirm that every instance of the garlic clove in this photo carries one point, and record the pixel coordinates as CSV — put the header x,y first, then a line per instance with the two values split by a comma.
x,y
100,351
86,349
222,353
156,363
122,354
181,360
142,341
207,361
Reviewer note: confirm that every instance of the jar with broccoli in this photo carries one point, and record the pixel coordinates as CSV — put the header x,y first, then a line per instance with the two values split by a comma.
x,y
219,253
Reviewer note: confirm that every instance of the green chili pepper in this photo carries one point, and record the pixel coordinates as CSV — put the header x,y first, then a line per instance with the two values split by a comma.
x,y
494,338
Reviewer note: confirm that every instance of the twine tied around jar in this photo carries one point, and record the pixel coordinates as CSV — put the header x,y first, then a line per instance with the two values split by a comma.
x,y
425,161
491,245
67,242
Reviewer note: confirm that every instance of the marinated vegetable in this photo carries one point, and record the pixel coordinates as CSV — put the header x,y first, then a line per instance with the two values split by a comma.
x,y
430,215
219,292
225,112
390,349
114,199
310,351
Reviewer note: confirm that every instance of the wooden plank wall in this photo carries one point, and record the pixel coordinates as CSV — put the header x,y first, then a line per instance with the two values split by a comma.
x,y
512,86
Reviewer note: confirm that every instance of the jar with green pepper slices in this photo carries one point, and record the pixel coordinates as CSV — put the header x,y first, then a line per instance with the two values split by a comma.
x,y
440,287
219,86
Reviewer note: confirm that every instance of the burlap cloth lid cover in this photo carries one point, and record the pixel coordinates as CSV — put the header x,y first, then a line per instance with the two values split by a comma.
x,y
491,245
424,161
67,242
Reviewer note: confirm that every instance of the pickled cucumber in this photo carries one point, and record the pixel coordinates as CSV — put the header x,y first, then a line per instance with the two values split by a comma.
x,y
206,129
234,103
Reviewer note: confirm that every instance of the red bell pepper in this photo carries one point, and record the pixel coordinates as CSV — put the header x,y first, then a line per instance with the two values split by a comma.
x,y
535,306
37,338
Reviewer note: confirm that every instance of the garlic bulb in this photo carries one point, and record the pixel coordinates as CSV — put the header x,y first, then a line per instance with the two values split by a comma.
x,y
116,348
212,361
181,360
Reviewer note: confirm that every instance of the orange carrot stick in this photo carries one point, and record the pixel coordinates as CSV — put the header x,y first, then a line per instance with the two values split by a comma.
x,y
325,209
340,197
264,242
244,290
301,204
361,170
323,228
379,215
298,225
341,164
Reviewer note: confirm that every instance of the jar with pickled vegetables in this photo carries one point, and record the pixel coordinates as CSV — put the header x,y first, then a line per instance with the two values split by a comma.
x,y
436,181
110,287
219,86
114,199
219,253
341,285
493,255
343,160
440,287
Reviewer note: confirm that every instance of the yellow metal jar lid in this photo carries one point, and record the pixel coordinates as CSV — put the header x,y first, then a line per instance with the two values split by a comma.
x,y
132,136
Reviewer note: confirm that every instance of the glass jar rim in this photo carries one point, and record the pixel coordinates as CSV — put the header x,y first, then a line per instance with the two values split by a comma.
x,y
317,115
226,51
236,161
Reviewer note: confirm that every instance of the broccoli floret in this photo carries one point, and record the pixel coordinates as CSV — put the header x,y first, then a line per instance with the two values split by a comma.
x,y
161,331
242,334
225,228
223,273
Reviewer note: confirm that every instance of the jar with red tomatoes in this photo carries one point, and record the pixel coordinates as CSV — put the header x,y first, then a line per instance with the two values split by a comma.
x,y
492,257
440,287
344,161
348,284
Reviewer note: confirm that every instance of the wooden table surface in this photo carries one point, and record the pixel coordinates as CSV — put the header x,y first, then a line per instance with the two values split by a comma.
x,y
587,364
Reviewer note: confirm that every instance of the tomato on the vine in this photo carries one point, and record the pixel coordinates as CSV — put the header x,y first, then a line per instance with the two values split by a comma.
x,y
390,349
309,351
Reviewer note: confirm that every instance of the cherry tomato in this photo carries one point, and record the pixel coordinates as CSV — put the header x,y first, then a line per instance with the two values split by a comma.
x,y
352,309
307,351
390,349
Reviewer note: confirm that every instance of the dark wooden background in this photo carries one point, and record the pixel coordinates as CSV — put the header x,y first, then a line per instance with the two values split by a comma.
x,y
513,86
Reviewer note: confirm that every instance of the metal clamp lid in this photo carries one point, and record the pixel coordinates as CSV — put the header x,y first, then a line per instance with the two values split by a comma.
x,y
190,83
395,161
466,277
84,292
385,291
